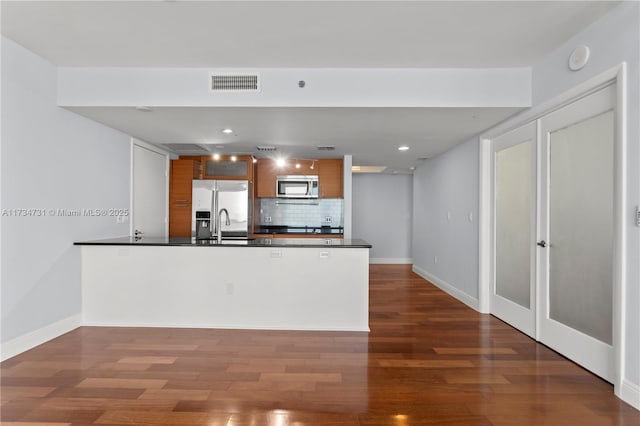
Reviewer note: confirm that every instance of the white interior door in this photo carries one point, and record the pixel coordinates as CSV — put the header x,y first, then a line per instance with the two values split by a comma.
x,y
149,192
513,295
577,232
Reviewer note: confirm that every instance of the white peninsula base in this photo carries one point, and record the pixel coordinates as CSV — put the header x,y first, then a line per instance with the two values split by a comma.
x,y
288,288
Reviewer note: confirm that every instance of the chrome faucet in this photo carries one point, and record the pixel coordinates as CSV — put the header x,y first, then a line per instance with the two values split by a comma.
x,y
219,225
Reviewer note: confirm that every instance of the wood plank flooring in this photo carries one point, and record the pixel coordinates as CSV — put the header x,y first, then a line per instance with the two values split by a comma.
x,y
429,360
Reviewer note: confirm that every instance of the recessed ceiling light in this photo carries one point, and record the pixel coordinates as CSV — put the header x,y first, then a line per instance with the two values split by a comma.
x,y
403,148
143,108
255,160
234,158
227,131
280,162
216,156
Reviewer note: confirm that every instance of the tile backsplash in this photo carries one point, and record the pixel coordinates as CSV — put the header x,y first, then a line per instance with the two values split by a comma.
x,y
301,212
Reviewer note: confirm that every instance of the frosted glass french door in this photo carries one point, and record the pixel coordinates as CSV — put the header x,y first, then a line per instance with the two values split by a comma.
x,y
576,231
514,222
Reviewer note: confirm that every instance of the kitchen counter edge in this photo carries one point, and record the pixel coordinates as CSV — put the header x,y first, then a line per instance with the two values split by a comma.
x,y
258,242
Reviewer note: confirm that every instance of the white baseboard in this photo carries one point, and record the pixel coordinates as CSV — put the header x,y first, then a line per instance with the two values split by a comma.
x,y
390,261
37,337
220,326
448,288
630,393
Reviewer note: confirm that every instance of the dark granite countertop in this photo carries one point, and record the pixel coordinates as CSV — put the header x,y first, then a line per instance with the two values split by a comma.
x,y
258,242
285,229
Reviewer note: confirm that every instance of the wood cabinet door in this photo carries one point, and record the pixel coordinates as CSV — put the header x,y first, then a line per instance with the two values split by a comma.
x,y
265,179
180,220
330,179
228,167
182,173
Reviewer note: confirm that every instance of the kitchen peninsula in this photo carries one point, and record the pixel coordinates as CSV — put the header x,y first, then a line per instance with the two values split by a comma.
x,y
263,283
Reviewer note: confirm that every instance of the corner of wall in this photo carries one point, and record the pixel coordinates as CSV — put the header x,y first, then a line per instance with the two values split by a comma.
x,y
448,288
37,337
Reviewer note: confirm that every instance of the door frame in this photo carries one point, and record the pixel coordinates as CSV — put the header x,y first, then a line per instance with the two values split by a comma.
x,y
615,75
142,144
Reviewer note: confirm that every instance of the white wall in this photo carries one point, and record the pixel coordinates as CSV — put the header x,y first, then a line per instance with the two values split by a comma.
x,y
613,39
445,197
51,159
382,215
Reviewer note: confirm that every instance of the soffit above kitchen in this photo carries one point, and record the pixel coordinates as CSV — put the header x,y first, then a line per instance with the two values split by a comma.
x,y
320,35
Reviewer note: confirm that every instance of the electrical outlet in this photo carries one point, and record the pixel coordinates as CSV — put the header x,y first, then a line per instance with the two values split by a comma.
x,y
328,219
267,219
276,254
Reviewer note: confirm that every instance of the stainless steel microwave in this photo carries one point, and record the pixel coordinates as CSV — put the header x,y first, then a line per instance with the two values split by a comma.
x,y
297,186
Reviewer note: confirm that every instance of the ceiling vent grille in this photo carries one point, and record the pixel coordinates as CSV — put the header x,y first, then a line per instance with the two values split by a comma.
x,y
227,82
264,148
184,147
326,148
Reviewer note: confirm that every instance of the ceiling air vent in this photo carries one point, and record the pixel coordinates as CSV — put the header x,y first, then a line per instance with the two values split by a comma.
x,y
228,82
182,147
264,148
326,148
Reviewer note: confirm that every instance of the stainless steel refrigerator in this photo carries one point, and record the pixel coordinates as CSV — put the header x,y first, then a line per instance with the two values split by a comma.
x,y
209,197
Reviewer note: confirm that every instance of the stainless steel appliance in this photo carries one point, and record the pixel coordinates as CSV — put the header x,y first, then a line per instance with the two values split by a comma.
x,y
203,225
297,186
212,196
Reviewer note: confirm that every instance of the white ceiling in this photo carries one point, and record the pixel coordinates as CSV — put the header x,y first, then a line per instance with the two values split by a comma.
x,y
313,34
369,134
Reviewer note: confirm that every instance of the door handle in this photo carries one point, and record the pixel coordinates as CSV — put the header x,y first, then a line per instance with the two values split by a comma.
x,y
542,243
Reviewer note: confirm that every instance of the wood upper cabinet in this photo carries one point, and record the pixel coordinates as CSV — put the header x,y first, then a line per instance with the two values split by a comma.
x,y
266,171
228,167
329,173
181,174
330,178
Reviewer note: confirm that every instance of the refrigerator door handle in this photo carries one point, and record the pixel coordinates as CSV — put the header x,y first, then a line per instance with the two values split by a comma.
x,y
214,217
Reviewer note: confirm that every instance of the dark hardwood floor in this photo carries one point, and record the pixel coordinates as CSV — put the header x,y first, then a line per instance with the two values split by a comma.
x,y
429,360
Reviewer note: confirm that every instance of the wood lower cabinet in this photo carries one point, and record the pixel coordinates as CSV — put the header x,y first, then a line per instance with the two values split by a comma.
x,y
330,178
182,173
